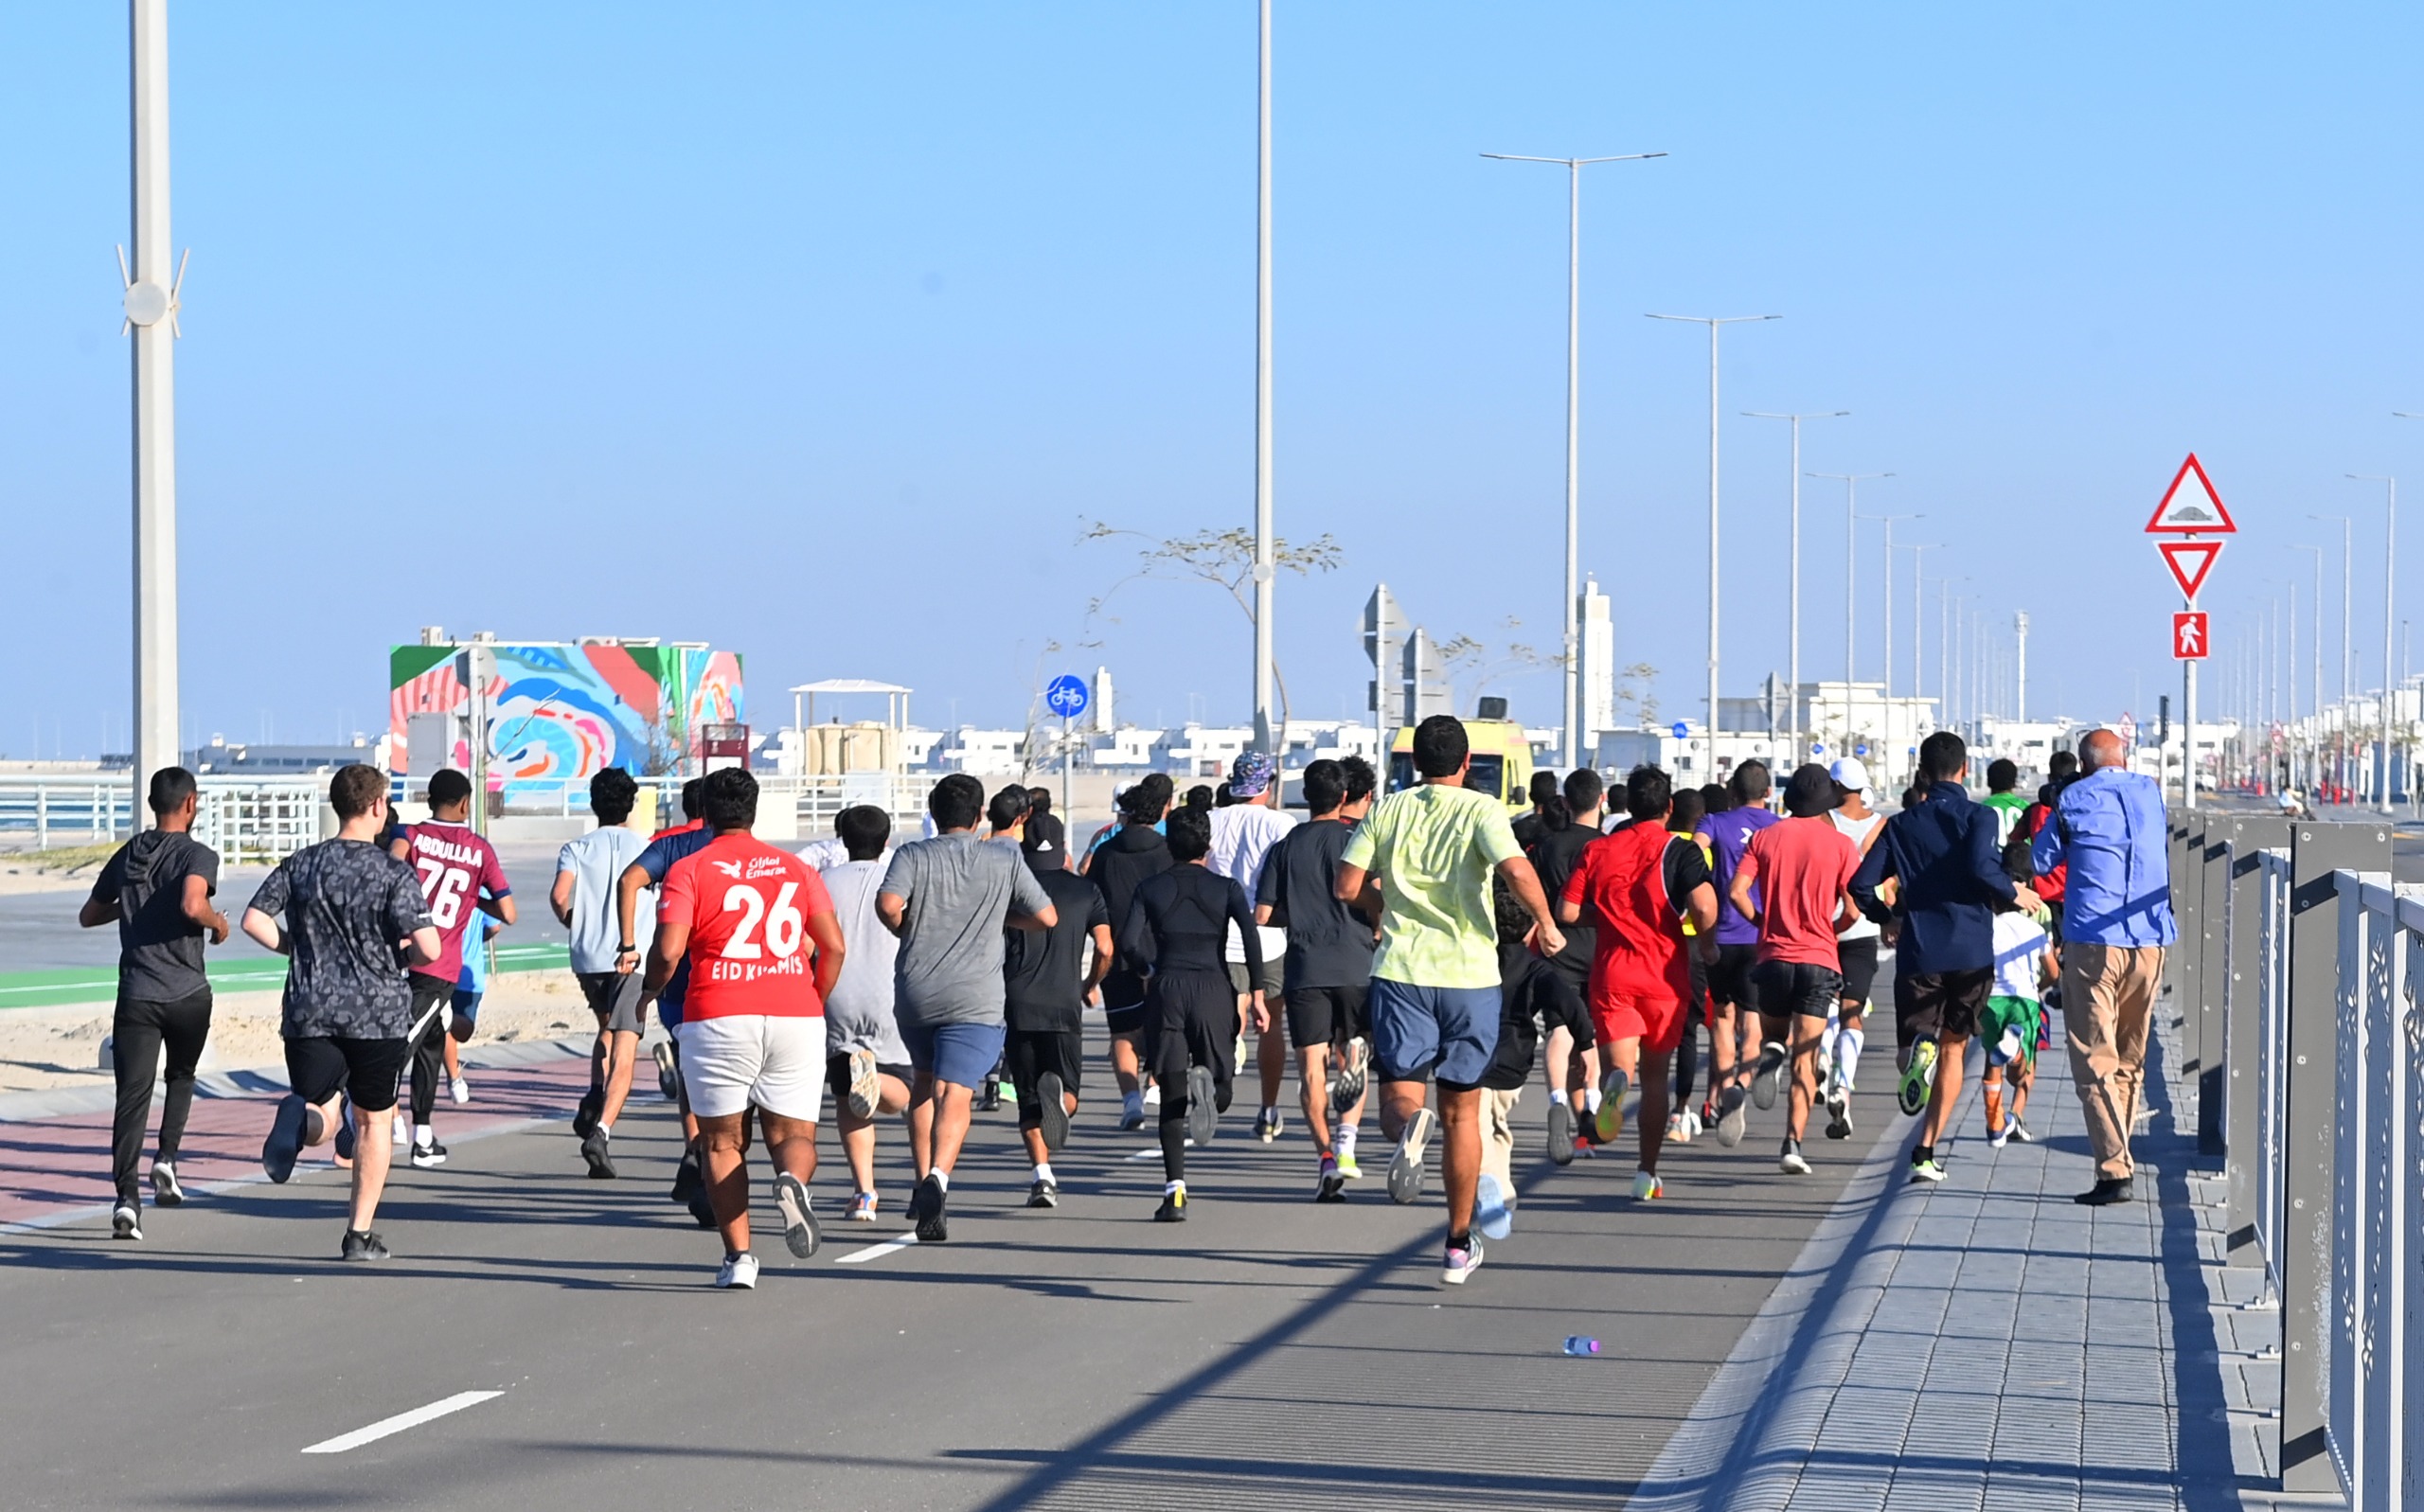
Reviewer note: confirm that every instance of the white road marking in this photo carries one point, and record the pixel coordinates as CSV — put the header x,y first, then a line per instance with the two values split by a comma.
x,y
400,1421
876,1252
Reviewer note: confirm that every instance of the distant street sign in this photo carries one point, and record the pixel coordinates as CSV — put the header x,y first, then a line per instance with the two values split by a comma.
x,y
1681,731
1860,750
2188,642
2190,507
2189,562
1065,694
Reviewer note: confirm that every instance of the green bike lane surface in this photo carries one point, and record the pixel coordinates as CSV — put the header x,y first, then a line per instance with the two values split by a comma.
x,y
263,973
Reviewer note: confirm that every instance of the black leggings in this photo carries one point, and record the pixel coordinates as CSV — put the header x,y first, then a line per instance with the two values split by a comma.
x,y
1687,1057
1190,1020
137,1034
428,1047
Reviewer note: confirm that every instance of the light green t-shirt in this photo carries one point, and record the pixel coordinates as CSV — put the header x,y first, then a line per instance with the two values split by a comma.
x,y
1435,848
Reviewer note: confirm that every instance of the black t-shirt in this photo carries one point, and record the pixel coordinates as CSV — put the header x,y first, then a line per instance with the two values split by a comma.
x,y
1554,856
1132,854
347,903
1532,995
1329,943
1179,922
1043,972
159,955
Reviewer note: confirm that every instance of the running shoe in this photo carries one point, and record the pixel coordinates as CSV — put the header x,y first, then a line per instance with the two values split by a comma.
x,y
738,1273
126,1221
345,1134
1203,1110
1918,1079
1997,1138
1647,1188
427,1156
1331,1186
1562,1132
584,1117
988,1093
865,1087
1153,1095
2020,1132
1053,1109
1405,1167
1132,1113
1237,1054
1348,1167
1354,1072
1839,1112
1678,1126
1927,1168
165,1190
1043,1194
460,1089
669,1073
1608,1122
1490,1213
361,1246
863,1208
1266,1125
285,1141
1462,1261
601,1162
1732,1121
1767,1081
800,1233
1174,1208
1791,1161
926,1211
399,1131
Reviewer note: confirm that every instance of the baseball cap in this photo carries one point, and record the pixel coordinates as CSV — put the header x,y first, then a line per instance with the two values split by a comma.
x,y
1250,775
1849,771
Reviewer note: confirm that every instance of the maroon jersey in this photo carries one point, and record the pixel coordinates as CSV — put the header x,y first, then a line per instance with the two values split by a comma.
x,y
454,864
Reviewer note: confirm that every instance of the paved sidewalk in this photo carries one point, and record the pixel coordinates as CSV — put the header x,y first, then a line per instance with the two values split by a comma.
x,y
1988,1344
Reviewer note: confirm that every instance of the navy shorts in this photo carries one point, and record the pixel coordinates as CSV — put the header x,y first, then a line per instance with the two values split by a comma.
x,y
961,1053
1451,1032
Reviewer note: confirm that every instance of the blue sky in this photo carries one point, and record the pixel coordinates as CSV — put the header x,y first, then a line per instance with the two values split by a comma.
x,y
816,331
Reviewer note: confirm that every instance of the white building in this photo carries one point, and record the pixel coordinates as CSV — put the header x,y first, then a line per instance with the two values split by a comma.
x,y
1204,752
985,752
1129,747
1598,663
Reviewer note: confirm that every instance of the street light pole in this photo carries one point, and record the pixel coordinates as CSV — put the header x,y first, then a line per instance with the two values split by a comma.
x,y
1572,431
1793,655
1918,641
1265,565
1713,322
2348,593
2314,732
1885,601
2390,616
1851,482
151,291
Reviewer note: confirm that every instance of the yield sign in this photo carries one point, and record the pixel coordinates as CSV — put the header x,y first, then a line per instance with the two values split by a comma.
x,y
2189,562
2190,507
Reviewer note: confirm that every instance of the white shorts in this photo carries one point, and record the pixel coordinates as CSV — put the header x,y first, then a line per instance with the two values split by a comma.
x,y
776,1063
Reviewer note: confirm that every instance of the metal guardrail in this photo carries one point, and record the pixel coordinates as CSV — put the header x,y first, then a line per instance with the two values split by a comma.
x,y
2308,997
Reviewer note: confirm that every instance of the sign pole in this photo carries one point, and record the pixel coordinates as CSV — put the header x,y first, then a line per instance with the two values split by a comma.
x,y
1065,769
2188,736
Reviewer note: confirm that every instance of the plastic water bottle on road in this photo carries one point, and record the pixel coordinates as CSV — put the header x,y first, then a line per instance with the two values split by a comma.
x,y
1581,1347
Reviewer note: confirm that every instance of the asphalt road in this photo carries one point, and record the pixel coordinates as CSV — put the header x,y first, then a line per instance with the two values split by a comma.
x,y
1267,1354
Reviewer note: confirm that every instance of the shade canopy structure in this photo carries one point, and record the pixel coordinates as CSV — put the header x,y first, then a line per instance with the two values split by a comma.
x,y
896,698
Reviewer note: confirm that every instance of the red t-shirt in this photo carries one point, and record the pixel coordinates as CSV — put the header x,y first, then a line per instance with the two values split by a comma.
x,y
1635,885
747,906
455,864
1803,866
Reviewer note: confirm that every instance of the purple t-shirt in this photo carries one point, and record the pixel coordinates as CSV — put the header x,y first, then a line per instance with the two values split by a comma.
x,y
1729,835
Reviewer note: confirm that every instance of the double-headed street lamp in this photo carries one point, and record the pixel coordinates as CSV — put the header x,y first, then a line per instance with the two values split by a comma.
x,y
1573,167
1793,696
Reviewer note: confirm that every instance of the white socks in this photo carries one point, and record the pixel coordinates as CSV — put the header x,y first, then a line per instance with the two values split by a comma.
x,y
1847,1048
942,1177
1344,1140
1043,1173
424,1135
1558,1097
1174,1189
1591,1099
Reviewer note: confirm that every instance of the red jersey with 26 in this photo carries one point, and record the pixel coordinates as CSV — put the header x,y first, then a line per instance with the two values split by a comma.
x,y
747,907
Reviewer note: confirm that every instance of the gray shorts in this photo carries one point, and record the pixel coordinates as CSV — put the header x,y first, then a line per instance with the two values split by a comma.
x,y
1274,977
614,997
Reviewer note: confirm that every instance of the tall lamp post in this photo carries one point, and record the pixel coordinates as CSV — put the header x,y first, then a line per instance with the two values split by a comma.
x,y
2347,642
1713,322
1918,642
1573,430
1885,602
152,290
2390,615
1266,737
2314,731
1793,654
1851,482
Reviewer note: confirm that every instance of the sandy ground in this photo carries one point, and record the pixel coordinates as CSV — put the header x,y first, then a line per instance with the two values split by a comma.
x,y
42,1048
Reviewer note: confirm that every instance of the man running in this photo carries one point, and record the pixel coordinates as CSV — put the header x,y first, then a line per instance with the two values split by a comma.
x,y
1133,852
156,888
583,898
461,878
1733,995
1566,832
756,928
663,848
2003,779
947,900
1421,864
1801,870
867,1065
351,907
1856,951
1638,888
1048,982
1243,835
1328,973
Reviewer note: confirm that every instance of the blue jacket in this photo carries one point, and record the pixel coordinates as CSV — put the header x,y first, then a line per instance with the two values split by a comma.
x,y
1944,852
2109,825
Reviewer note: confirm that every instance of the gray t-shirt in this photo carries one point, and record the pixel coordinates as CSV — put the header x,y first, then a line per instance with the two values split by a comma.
x,y
597,861
159,957
347,906
960,891
859,1010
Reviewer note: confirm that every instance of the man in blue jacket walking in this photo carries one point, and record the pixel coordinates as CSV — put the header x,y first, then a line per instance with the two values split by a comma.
x,y
1949,875
2116,921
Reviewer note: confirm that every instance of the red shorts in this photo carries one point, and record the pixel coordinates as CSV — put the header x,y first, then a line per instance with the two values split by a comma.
x,y
1657,1022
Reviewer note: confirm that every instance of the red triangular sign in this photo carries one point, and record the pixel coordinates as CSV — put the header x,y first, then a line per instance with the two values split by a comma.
x,y
2189,562
2190,507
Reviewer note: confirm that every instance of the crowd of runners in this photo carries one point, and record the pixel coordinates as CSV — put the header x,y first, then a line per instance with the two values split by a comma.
x,y
1677,959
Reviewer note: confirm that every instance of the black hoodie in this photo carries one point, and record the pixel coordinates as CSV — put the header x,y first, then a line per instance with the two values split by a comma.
x,y
159,948
1130,856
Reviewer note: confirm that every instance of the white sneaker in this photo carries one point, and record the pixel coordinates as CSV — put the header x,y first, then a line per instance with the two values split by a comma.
x,y
1678,1129
460,1089
403,1132
1647,1187
739,1270
126,1221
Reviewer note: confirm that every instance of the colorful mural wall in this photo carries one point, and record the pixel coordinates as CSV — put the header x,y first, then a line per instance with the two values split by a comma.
x,y
566,711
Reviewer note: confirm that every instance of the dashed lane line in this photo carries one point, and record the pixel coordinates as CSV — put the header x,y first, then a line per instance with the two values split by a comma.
x,y
386,1426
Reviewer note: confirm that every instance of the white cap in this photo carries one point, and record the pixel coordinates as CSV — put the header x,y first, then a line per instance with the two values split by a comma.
x,y
1849,773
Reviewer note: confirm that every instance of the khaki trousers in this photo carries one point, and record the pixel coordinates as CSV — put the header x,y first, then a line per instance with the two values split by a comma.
x,y
2108,993
1498,1136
